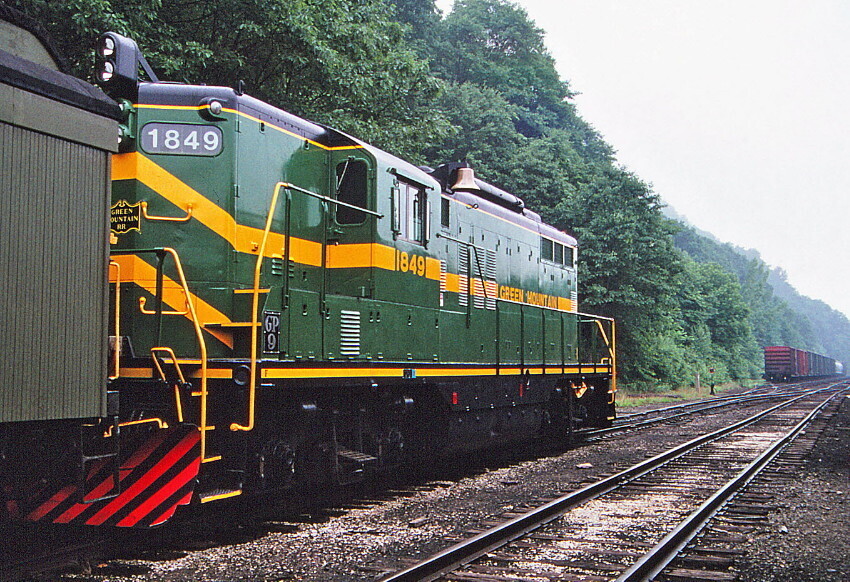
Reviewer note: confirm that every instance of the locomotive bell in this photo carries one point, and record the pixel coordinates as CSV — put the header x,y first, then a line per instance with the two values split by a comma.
x,y
465,180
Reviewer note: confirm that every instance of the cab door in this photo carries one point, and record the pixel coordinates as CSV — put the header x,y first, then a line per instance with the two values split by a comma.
x,y
348,256
349,232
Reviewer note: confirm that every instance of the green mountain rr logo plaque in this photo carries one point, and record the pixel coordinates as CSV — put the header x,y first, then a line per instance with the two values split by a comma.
x,y
125,217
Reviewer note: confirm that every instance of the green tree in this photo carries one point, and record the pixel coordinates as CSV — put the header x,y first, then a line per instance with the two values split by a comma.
x,y
483,132
716,322
342,62
422,16
628,268
494,44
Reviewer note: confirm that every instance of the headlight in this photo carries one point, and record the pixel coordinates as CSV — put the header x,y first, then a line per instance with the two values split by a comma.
x,y
107,46
107,71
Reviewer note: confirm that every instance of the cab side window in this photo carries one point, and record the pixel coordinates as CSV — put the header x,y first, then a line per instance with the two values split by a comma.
x,y
411,209
556,252
546,249
351,189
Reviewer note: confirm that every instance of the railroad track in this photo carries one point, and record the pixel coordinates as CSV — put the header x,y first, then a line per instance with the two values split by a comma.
x,y
75,553
638,420
631,525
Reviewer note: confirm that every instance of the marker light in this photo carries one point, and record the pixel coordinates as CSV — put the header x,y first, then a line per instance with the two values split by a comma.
x,y
107,46
118,63
106,72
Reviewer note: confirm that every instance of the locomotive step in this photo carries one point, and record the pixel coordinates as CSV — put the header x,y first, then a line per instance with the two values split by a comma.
x,y
218,494
352,466
355,456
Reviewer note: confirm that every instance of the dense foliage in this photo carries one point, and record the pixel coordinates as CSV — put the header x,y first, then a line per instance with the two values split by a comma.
x,y
342,62
475,85
778,314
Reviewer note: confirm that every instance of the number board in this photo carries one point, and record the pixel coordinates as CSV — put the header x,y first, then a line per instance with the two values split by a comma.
x,y
181,138
271,331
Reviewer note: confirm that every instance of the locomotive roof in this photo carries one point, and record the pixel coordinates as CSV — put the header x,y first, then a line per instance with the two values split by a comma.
x,y
178,94
526,219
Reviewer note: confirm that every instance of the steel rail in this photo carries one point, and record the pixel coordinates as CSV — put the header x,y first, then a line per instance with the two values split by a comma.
x,y
759,392
468,550
729,397
659,557
651,421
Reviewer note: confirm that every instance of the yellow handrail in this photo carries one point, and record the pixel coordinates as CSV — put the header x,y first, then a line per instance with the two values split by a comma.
x,y
255,303
143,302
159,422
167,218
613,350
117,358
178,403
603,334
203,346
611,344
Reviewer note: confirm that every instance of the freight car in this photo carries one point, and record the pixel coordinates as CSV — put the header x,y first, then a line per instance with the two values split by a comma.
x,y
782,363
290,307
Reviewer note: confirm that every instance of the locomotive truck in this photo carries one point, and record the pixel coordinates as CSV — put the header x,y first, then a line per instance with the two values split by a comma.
x,y
281,307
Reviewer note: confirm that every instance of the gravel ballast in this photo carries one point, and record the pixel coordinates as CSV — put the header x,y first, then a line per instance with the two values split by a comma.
x,y
367,536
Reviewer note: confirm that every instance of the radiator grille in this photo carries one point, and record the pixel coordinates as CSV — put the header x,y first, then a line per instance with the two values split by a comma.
x,y
463,272
443,277
349,333
484,286
490,280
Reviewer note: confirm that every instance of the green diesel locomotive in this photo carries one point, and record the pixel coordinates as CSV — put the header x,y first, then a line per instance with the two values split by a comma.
x,y
291,307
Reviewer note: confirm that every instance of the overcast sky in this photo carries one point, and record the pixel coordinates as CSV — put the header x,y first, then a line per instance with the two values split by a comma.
x,y
737,112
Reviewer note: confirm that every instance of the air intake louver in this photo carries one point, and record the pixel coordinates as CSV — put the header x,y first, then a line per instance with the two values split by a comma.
x,y
349,333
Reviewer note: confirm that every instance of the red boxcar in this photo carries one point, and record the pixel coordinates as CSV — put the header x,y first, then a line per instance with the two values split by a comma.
x,y
782,363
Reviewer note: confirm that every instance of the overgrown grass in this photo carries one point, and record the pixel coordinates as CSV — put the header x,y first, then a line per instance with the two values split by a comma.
x,y
630,395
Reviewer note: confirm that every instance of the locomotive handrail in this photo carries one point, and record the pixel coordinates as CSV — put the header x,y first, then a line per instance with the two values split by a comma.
x,y
116,361
161,424
613,350
457,240
255,302
166,218
328,199
199,334
177,401
470,280
143,301
610,342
